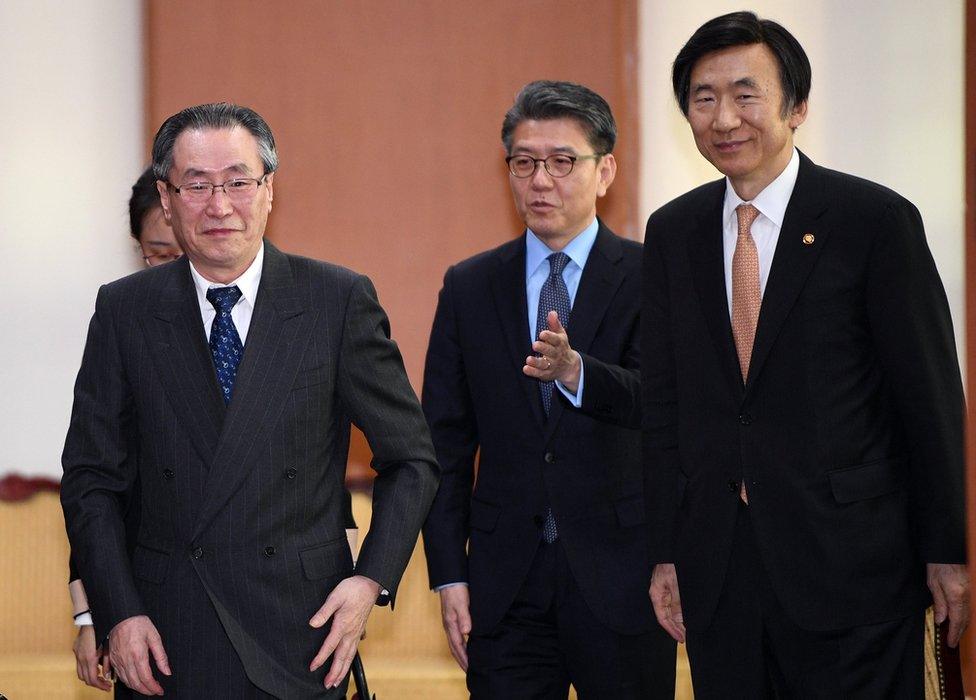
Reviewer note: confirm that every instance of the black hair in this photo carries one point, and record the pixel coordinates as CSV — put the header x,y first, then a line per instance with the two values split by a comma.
x,y
742,29
550,99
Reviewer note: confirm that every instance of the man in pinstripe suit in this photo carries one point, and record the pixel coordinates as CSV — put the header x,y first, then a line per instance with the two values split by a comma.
x,y
241,584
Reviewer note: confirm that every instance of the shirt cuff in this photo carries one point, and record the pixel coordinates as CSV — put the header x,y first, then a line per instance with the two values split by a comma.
x,y
438,589
577,398
83,620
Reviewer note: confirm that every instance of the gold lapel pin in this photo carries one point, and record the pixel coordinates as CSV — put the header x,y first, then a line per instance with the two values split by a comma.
x,y
808,239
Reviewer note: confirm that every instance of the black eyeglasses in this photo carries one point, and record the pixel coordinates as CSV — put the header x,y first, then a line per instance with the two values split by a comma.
x,y
557,165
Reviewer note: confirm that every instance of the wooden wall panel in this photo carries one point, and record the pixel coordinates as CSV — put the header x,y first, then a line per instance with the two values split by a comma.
x,y
387,117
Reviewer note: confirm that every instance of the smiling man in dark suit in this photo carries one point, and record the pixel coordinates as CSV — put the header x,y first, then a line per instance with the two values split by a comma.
x,y
534,362
241,584
803,406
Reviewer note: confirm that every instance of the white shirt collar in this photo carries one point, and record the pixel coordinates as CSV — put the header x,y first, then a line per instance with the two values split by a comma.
x,y
248,282
774,198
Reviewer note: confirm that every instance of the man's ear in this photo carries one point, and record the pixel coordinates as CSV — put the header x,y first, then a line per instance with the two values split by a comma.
x,y
798,115
606,171
269,181
163,190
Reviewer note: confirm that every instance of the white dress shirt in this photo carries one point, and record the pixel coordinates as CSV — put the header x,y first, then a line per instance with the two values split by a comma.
x,y
248,283
771,203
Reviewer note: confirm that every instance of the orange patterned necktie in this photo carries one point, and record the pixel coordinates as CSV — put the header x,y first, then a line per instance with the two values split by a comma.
x,y
746,294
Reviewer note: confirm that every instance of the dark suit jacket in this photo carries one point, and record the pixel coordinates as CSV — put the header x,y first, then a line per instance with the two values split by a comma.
x,y
246,500
583,462
849,431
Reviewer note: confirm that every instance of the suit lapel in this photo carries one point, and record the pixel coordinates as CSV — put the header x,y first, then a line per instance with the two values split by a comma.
x,y
792,262
508,292
179,351
600,281
276,340
707,261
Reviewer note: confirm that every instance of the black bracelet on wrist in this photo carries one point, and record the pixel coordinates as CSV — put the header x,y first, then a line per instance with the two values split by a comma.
x,y
83,612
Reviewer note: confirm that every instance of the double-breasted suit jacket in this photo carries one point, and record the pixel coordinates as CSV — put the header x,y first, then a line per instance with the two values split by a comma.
x,y
584,462
241,505
848,431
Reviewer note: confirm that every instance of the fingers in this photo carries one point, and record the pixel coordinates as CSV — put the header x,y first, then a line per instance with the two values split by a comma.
x,y
322,615
348,606
456,616
458,647
458,627
662,612
666,601
939,605
677,616
146,682
949,584
130,644
107,673
341,645
341,661
955,631
158,653
328,646
552,319
538,367
86,659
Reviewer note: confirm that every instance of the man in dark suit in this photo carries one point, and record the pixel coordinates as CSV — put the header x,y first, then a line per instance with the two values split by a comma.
x,y
803,408
534,362
241,446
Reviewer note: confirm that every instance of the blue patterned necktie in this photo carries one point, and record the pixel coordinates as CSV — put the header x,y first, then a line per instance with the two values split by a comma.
x,y
225,343
552,297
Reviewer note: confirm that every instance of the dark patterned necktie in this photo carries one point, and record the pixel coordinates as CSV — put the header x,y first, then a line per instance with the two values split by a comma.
x,y
225,343
552,297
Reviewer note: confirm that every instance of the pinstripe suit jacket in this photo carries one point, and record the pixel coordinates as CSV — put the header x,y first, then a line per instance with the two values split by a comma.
x,y
243,500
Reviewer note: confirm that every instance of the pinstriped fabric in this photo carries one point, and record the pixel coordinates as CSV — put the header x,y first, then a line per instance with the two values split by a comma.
x,y
243,531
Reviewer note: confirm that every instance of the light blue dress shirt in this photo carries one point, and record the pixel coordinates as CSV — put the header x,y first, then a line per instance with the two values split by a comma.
x,y
536,272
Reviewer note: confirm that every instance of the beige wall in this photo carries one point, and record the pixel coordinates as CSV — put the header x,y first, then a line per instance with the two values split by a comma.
x,y
71,146
886,104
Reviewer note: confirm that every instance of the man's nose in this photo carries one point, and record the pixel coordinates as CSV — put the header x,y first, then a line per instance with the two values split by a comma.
x,y
726,115
219,203
541,179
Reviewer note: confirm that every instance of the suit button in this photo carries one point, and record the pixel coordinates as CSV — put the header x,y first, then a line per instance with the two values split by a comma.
x,y
197,553
745,419
168,474
291,473
733,486
538,520
269,551
549,457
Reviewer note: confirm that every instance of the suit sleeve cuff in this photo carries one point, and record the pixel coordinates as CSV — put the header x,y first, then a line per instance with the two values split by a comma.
x,y
438,589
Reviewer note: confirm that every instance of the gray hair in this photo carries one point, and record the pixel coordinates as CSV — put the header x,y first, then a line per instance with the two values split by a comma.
x,y
217,115
550,99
